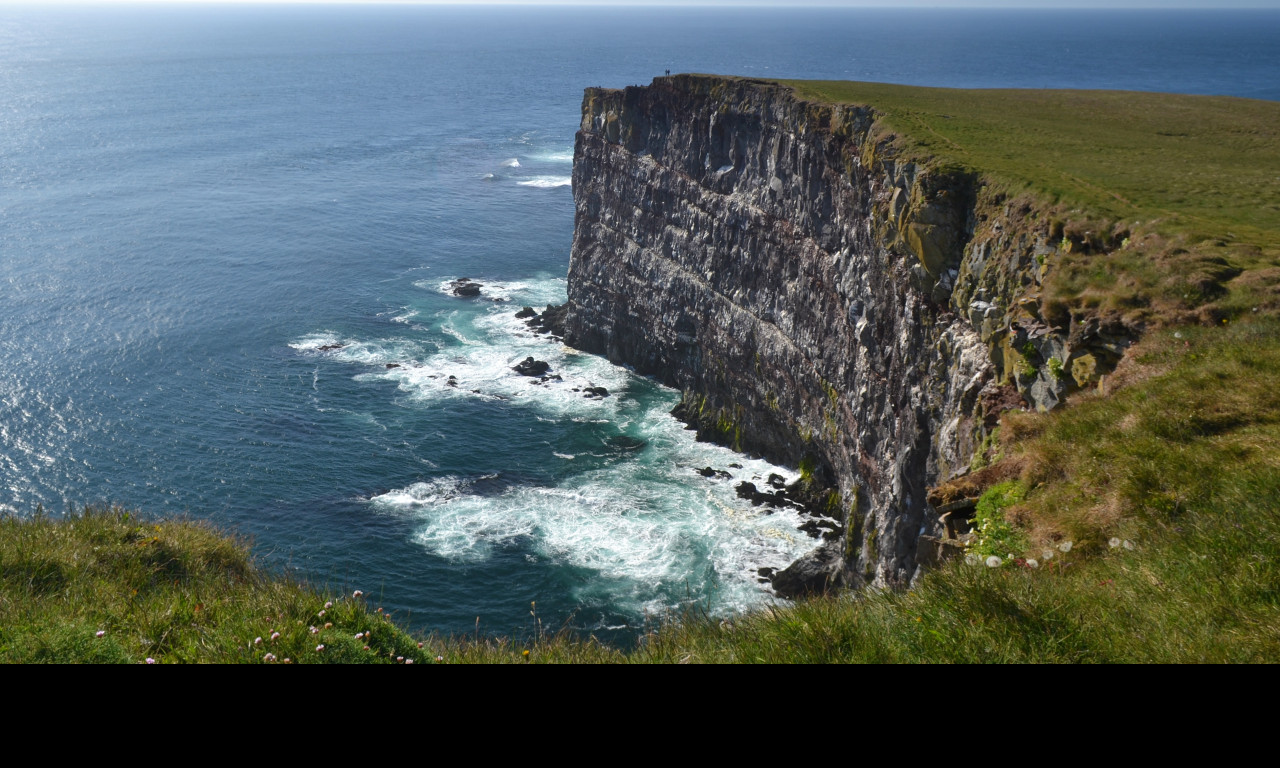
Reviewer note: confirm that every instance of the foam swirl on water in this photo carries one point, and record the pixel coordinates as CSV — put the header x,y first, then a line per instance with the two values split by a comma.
x,y
632,510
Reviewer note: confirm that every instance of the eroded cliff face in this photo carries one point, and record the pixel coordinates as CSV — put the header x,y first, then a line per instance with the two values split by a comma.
x,y
817,301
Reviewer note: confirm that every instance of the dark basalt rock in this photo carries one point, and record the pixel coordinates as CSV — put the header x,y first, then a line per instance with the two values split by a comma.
x,y
393,365
814,574
531,367
526,313
596,392
330,347
550,321
465,287
748,491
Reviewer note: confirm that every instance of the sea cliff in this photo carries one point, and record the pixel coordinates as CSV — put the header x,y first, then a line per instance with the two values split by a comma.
x,y
818,298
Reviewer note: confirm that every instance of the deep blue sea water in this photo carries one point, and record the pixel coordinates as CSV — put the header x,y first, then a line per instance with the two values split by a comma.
x,y
198,203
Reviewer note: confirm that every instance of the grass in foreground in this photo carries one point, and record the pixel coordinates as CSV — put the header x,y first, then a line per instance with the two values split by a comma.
x,y
109,587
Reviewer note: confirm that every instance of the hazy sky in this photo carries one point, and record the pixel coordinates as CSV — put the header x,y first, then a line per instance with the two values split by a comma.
x,y
826,3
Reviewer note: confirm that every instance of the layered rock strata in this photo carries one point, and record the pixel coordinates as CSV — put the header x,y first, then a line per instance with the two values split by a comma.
x,y
817,301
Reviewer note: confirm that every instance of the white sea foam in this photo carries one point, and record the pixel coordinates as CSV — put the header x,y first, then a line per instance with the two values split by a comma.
x,y
645,522
375,352
554,157
652,531
316,341
546,182
498,291
512,163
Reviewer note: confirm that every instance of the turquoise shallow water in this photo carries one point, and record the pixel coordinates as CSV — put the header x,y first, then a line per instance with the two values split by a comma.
x,y
199,205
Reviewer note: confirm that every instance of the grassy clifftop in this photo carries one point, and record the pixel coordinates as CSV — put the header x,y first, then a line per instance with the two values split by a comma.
x,y
1167,207
1201,165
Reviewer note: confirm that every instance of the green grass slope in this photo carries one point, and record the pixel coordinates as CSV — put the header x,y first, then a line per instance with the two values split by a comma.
x,y
1199,164
110,587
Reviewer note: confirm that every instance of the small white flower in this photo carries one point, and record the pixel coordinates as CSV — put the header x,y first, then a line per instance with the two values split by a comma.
x,y
100,633
1065,547
971,559
328,605
270,657
257,641
359,635
1032,563
314,631
1047,554
1113,542
150,660
322,614
1127,544
275,635
357,594
408,661
319,648
994,562
400,659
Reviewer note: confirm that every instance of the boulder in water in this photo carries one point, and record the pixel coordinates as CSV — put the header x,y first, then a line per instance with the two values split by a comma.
x,y
531,367
465,287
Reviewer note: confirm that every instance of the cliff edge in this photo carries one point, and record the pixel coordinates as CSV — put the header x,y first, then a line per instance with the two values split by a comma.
x,y
821,298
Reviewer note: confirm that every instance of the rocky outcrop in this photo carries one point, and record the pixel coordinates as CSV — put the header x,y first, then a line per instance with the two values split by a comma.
x,y
817,300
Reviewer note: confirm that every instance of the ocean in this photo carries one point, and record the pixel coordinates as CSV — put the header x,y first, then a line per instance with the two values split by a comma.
x,y
226,239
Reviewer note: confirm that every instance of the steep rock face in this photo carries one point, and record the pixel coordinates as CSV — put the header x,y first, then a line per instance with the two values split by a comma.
x,y
817,302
